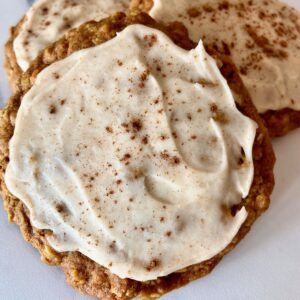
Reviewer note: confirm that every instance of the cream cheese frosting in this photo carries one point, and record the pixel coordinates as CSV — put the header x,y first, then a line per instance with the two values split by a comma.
x,y
133,152
49,20
263,38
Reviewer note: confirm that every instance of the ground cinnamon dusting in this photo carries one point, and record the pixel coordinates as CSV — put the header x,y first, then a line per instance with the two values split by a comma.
x,y
264,44
109,129
143,77
60,208
52,109
145,140
271,36
193,12
153,264
136,125
150,39
56,75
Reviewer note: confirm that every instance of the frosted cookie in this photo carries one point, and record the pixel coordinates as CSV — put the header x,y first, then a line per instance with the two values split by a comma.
x,y
263,40
46,22
131,162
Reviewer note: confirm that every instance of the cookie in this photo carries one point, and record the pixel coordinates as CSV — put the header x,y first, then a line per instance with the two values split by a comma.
x,y
46,22
251,169
262,40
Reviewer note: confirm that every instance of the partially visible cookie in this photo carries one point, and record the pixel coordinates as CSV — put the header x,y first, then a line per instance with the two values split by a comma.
x,y
83,273
46,22
263,40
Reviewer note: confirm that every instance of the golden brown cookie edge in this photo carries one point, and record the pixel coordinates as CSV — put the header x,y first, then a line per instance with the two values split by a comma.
x,y
11,67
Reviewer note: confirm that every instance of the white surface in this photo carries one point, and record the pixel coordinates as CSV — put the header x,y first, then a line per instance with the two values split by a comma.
x,y
266,265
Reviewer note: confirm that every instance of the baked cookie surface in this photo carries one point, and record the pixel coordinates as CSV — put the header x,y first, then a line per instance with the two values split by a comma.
x,y
46,22
82,273
262,40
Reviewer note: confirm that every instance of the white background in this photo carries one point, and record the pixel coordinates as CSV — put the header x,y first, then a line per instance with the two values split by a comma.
x,y
265,266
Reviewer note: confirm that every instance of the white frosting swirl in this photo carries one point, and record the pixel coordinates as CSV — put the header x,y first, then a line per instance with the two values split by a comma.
x,y
263,38
49,20
133,153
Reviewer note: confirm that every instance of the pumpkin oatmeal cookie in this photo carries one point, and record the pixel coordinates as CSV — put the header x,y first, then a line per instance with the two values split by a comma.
x,y
262,39
148,148
46,22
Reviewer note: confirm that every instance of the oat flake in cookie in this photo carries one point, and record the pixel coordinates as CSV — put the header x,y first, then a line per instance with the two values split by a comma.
x,y
46,22
262,38
125,193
